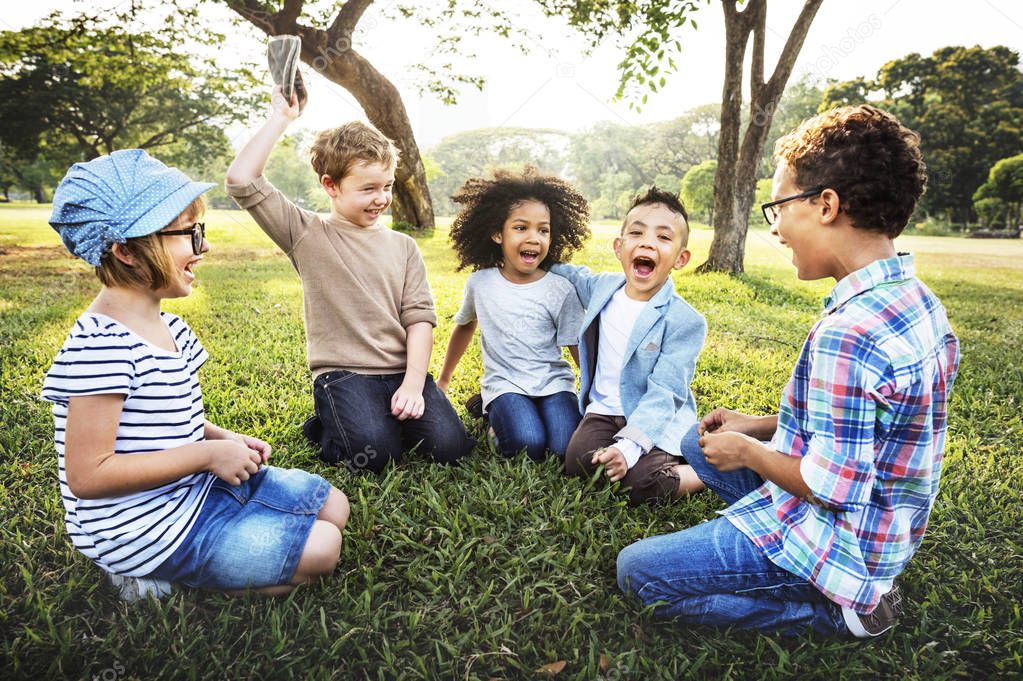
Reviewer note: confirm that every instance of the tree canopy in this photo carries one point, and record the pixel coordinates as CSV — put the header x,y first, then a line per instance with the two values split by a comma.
x,y
698,191
76,87
967,105
608,162
652,27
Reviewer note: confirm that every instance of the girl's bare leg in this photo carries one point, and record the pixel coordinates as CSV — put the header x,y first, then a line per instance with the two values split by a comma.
x,y
322,548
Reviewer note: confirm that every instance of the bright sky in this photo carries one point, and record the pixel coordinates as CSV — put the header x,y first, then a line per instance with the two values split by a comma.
x,y
558,86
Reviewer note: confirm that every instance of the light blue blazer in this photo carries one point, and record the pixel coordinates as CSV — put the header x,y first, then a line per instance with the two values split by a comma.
x,y
660,359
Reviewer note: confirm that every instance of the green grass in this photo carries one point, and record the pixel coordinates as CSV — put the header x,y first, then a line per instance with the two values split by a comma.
x,y
495,568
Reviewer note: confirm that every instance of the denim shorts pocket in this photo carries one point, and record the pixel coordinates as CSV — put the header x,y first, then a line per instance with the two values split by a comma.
x,y
292,490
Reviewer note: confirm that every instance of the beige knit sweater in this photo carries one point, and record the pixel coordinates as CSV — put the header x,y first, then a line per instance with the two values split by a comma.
x,y
361,287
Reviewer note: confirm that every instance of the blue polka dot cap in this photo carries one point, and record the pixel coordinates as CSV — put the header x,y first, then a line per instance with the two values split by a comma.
x,y
112,198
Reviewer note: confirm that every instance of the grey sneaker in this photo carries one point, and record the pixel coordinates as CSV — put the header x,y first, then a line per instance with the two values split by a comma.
x,y
879,621
131,589
282,54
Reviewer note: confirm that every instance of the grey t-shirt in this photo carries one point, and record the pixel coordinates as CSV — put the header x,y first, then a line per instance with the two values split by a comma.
x,y
522,329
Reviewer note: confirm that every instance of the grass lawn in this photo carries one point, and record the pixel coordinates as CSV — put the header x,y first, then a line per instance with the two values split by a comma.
x,y
495,568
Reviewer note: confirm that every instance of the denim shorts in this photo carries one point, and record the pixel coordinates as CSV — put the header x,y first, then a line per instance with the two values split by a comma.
x,y
249,536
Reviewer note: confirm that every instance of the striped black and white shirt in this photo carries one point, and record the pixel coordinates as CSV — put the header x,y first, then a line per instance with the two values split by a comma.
x,y
132,534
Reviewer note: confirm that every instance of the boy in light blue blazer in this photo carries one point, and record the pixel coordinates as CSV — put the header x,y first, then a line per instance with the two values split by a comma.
x,y
637,356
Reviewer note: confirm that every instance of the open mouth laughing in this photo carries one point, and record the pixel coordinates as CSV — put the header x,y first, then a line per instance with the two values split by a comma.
x,y
189,273
530,256
643,267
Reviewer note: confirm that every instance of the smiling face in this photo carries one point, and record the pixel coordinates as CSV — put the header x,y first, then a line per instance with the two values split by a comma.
x,y
363,194
182,258
799,228
652,244
525,238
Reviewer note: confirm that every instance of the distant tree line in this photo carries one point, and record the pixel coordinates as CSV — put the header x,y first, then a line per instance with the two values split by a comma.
x,y
74,87
966,103
610,162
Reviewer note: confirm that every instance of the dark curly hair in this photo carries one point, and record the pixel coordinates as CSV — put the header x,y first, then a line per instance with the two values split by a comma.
x,y
655,195
486,204
870,159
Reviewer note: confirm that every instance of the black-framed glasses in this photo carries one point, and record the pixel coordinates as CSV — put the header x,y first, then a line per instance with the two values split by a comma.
x,y
196,231
771,209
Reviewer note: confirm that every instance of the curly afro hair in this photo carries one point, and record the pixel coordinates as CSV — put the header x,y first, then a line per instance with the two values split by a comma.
x,y
870,159
486,203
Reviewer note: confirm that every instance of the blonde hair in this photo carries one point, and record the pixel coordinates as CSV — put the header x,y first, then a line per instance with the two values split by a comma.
x,y
335,151
153,268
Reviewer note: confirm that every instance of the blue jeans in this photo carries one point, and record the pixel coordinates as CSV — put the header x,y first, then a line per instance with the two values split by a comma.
x,y
360,432
535,424
713,575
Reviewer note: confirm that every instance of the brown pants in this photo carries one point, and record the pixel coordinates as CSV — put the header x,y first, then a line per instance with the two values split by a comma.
x,y
651,480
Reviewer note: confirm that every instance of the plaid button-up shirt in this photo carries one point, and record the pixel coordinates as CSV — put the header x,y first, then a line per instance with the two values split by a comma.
x,y
865,409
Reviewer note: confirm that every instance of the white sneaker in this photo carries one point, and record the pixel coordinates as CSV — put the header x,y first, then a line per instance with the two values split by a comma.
x,y
131,589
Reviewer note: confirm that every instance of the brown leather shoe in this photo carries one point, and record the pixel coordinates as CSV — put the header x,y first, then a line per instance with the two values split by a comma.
x,y
474,405
313,429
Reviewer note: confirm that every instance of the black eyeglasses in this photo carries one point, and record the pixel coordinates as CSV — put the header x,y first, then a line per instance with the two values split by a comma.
x,y
196,231
771,209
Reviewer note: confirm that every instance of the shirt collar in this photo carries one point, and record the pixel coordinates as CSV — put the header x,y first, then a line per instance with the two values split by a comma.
x,y
663,295
879,272
337,219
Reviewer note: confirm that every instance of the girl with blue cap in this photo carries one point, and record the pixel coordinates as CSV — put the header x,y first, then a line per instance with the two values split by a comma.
x,y
153,492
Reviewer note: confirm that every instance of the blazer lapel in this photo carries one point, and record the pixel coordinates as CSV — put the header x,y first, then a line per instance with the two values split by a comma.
x,y
599,300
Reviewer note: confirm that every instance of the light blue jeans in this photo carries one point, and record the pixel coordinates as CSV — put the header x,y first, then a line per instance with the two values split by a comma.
x,y
534,424
713,575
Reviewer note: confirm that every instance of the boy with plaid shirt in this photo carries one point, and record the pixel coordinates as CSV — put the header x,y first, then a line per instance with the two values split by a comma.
x,y
825,516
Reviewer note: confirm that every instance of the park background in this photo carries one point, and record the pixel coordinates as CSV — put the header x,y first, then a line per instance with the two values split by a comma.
x,y
500,569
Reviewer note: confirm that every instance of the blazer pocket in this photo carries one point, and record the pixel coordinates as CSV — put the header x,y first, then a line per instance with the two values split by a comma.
x,y
646,356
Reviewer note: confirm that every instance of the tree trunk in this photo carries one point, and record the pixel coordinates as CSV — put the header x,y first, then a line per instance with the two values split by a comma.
x,y
37,194
735,182
412,204
724,248
330,53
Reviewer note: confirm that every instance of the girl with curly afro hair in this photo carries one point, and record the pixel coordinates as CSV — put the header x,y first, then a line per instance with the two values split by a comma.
x,y
510,229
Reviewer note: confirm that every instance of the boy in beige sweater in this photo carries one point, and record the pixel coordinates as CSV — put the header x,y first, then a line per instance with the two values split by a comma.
x,y
369,314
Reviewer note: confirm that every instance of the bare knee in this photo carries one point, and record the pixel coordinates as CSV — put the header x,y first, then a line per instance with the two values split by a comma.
x,y
335,509
321,553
